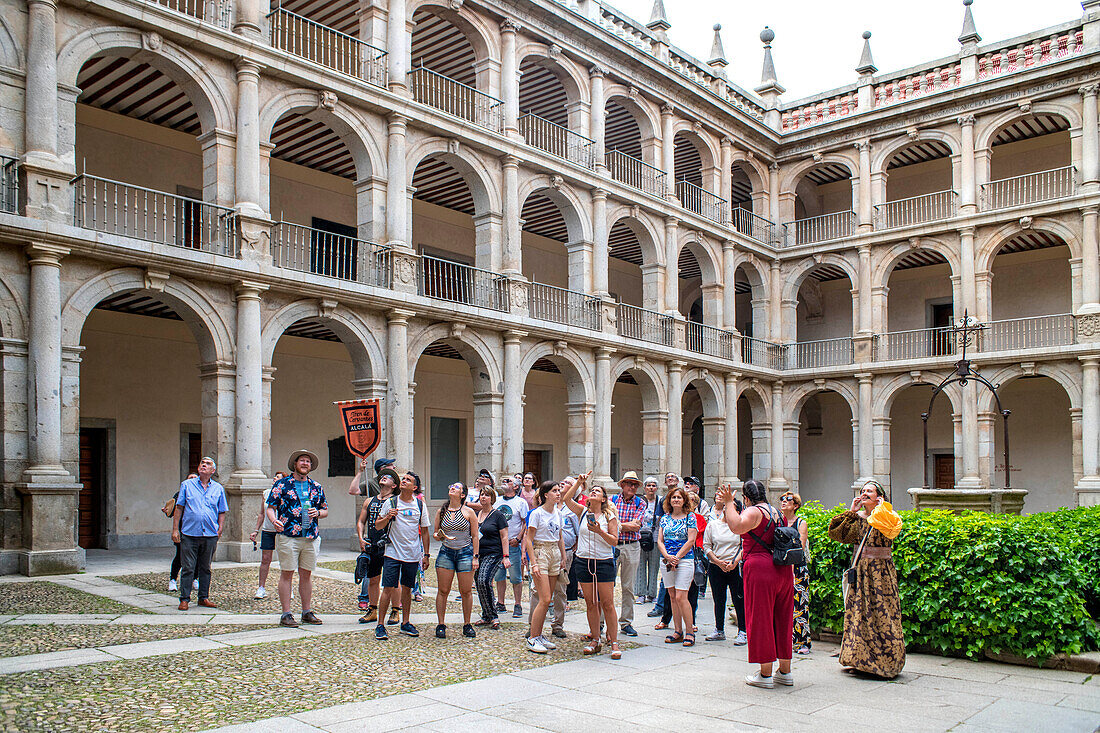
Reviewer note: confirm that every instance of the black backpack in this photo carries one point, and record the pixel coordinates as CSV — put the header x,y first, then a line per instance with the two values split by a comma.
x,y
786,548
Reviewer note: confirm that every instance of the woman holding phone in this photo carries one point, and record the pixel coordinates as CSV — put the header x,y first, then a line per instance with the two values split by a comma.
x,y
676,541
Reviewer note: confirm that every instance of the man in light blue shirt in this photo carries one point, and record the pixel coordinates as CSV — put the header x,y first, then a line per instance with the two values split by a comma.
x,y
197,524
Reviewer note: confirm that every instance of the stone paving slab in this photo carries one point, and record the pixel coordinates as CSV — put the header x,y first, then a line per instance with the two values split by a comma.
x,y
52,660
360,710
490,692
158,648
1015,715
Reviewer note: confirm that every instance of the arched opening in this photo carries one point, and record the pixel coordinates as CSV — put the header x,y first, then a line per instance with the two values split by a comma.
x,y
920,307
630,155
826,467
918,185
1030,294
905,437
823,205
750,302
445,72
753,438
703,429
1030,160
638,429
823,318
545,236
556,418
748,205
631,279
694,172
549,115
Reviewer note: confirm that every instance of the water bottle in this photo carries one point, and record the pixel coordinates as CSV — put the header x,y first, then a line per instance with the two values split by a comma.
x,y
307,521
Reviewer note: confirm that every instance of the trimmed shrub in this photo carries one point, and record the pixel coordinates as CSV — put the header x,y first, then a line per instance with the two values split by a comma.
x,y
974,582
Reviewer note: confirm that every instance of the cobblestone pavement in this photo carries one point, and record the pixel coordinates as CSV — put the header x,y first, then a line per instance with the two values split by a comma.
x,y
42,595
22,639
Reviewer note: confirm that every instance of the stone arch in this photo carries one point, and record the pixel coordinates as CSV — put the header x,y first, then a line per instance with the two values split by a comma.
x,y
886,392
480,32
569,204
983,138
473,170
579,381
348,126
481,355
651,385
192,75
649,238
574,81
11,54
797,398
1066,378
756,171
648,120
710,264
189,302
367,355
796,276
756,275
711,391
991,244
889,258
794,173
758,398
711,157
13,317
888,149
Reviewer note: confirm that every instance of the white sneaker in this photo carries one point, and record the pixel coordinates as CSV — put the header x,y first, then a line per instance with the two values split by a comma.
x,y
260,593
172,585
547,643
741,639
534,645
784,679
756,680
195,584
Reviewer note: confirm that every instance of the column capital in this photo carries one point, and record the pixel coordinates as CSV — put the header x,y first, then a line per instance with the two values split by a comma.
x,y
966,120
509,161
967,231
864,377
603,353
40,253
667,110
864,249
732,378
676,366
247,67
726,142
599,194
596,71
862,145
1088,362
248,290
1089,90
777,387
508,26
728,245
672,221
51,3
397,123
399,316
1090,209
513,336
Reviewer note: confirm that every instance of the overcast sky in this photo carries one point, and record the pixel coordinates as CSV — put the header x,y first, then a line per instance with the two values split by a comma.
x,y
817,44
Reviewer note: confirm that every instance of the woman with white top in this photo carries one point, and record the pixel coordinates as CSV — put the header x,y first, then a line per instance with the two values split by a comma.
x,y
676,540
456,528
594,561
723,548
543,544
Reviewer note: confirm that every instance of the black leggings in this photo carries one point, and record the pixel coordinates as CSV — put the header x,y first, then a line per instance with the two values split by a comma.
x,y
176,563
693,599
719,582
483,580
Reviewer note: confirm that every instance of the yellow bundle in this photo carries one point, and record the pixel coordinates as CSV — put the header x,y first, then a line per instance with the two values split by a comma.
x,y
885,520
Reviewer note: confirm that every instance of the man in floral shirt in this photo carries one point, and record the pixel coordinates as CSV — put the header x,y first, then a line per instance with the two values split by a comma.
x,y
295,504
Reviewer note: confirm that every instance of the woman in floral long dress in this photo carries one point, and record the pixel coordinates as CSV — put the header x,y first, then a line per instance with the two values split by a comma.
x,y
789,504
874,641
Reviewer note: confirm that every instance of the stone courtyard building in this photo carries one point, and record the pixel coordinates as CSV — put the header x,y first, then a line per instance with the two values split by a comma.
x,y
545,237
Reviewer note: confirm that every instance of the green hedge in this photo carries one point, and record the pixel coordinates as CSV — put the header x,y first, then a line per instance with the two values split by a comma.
x,y
976,582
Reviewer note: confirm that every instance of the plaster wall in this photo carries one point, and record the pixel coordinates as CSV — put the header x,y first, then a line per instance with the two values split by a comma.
x,y
825,460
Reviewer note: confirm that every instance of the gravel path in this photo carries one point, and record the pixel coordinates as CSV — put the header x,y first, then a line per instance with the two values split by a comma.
x,y
16,640
42,596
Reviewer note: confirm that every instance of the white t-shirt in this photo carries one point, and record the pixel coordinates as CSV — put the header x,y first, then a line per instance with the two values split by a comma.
x,y
404,529
515,510
591,546
267,525
545,524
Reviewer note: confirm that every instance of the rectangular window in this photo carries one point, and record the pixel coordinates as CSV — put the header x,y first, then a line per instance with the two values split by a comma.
x,y
334,249
340,460
446,455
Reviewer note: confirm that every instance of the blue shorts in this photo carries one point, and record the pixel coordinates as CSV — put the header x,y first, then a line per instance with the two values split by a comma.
x,y
396,571
267,540
461,561
514,573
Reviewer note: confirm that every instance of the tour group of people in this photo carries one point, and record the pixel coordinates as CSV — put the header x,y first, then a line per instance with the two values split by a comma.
x,y
568,540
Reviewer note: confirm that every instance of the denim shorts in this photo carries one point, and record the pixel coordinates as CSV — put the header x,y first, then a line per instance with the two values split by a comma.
x,y
461,561
396,572
514,573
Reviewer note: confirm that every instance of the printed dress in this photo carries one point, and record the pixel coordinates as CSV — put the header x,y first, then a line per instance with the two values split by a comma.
x,y
801,636
874,641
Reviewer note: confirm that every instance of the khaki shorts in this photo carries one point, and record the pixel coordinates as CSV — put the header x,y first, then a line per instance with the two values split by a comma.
x,y
297,552
547,557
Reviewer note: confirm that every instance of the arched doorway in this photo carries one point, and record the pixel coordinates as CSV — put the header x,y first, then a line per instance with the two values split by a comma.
x,y
826,467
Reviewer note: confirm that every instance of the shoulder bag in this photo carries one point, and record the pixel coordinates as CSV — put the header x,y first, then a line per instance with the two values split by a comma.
x,y
848,580
786,547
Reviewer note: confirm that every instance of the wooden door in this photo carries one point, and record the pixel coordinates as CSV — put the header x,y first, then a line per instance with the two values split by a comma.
x,y
194,452
93,443
532,463
943,473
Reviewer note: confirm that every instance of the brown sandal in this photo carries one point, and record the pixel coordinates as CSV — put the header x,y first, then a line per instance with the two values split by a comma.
x,y
674,638
616,652
660,625
593,648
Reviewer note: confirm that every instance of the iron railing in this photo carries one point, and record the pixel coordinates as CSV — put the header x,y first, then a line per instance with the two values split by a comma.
x,y
459,283
820,353
916,210
825,227
132,211
915,344
216,12
559,305
636,173
762,353
1027,189
305,249
328,47
701,201
704,339
1028,333
9,184
752,225
645,325
455,98
557,140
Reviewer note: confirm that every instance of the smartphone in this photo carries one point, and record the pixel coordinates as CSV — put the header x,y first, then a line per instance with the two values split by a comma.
x,y
591,518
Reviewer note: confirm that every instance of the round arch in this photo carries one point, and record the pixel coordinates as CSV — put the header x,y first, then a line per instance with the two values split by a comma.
x,y
795,277
987,250
642,228
889,149
481,34
983,138
757,276
890,257
648,121
193,77
711,393
473,170
366,354
190,303
756,171
1004,376
579,381
13,317
574,82
796,399
471,345
794,174
650,382
711,158
710,265
569,205
885,393
758,398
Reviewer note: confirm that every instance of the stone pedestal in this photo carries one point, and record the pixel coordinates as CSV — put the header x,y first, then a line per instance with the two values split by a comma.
x,y
994,501
863,348
254,232
50,502
1088,327
1087,492
243,493
46,192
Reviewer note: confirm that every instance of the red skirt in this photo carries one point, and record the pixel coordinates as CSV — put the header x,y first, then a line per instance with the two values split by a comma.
x,y
769,606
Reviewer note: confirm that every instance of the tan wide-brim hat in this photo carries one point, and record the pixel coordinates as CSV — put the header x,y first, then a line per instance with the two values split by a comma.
x,y
630,476
298,454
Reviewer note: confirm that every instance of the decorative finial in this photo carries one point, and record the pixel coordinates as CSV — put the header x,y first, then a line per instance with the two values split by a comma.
x,y
767,36
717,50
658,19
969,33
866,63
768,82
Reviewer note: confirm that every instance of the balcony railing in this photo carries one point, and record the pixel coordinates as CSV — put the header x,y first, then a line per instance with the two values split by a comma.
x,y
633,172
917,344
568,307
752,226
915,210
816,354
455,98
328,47
217,12
306,249
701,201
704,339
132,211
1030,188
1028,333
557,140
762,353
458,283
825,227
9,184
646,325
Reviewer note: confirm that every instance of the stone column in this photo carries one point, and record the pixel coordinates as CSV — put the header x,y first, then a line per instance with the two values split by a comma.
x,y
396,47
668,149
773,194
50,492
596,118
218,400
865,284
397,363
729,293
775,304
488,407
866,434
512,419
1090,265
777,480
725,177
674,433
866,221
1090,145
247,22
602,419
599,242
967,283
581,431
397,183
971,470
509,77
1088,488
513,248
730,455
967,186
248,137
672,280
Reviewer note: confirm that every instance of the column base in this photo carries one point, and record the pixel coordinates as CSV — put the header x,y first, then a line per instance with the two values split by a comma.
x,y
50,503
1087,491
236,551
601,481
778,483
970,483
244,491
51,562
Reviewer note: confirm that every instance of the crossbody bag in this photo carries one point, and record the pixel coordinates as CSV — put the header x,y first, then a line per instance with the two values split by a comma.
x,y
848,580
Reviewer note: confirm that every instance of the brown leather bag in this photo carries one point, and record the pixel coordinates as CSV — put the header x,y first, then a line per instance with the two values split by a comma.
x,y
169,507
